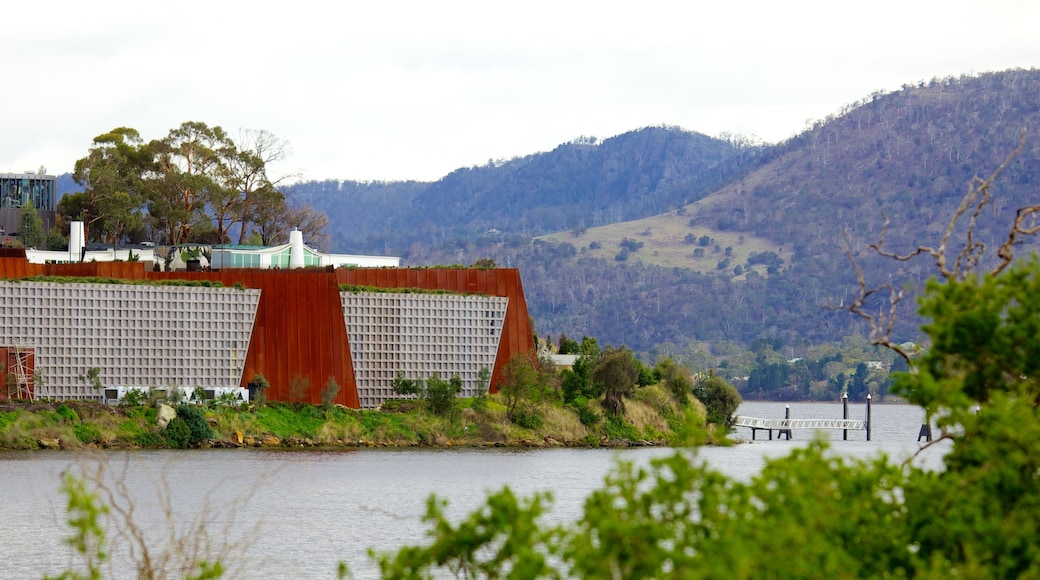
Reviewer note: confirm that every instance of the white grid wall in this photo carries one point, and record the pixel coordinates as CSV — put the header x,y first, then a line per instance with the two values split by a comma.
x,y
138,335
420,334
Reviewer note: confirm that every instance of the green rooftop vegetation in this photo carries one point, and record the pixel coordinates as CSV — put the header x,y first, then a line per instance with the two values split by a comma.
x,y
356,289
121,281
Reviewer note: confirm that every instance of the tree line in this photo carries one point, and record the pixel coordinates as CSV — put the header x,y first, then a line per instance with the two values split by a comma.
x,y
198,184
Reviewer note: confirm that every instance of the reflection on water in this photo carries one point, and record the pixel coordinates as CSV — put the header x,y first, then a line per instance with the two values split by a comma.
x,y
318,507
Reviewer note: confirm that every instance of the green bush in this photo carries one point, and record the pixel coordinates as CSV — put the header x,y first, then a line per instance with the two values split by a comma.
x,y
480,403
617,429
587,416
150,440
86,433
67,414
177,434
195,419
526,418
134,398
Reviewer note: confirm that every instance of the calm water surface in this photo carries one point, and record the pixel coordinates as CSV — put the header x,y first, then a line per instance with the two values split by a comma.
x,y
307,510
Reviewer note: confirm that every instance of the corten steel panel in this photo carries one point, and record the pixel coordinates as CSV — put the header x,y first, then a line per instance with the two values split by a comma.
x,y
295,332
14,268
517,336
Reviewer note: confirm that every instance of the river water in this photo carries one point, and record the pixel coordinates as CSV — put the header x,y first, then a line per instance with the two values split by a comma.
x,y
304,511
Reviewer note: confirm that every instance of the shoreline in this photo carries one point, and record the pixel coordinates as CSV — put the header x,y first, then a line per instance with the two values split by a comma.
x,y
87,425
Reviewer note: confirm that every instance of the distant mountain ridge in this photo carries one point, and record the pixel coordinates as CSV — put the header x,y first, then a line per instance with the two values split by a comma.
x,y
578,184
908,154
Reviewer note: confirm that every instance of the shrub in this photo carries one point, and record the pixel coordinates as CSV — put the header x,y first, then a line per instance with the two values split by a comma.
x,y
526,418
195,419
67,414
587,416
480,403
617,429
86,433
441,394
177,434
134,398
150,439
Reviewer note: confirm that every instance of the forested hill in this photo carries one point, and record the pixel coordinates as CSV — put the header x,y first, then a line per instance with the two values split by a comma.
x,y
909,155
579,184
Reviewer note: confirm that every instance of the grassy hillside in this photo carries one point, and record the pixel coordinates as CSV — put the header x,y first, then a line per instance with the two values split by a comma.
x,y
669,241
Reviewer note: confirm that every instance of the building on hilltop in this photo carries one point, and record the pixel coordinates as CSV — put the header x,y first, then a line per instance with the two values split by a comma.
x,y
300,328
18,188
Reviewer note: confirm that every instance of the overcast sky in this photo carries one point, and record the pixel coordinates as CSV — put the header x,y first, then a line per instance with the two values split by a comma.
x,y
415,89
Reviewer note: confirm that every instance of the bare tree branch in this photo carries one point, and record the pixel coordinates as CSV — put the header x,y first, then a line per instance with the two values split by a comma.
x,y
965,262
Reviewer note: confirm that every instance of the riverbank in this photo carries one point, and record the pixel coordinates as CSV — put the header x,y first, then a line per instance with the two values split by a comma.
x,y
650,419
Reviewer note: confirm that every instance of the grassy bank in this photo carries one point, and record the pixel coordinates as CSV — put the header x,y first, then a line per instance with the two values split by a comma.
x,y
649,419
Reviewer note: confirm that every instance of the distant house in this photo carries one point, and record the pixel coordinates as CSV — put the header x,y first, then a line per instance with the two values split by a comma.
x,y
564,360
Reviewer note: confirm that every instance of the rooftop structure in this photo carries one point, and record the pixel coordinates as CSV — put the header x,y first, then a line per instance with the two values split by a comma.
x,y
294,254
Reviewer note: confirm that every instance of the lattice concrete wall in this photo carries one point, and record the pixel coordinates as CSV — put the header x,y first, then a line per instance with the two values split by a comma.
x,y
420,334
138,335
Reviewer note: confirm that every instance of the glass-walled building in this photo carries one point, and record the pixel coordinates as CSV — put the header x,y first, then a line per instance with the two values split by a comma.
x,y
18,188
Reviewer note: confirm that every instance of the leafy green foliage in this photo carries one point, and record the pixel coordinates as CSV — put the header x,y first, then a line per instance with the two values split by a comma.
x,y
813,513
501,540
86,433
617,372
441,394
676,378
521,390
85,511
134,397
66,413
177,434
720,399
438,393
195,418
32,234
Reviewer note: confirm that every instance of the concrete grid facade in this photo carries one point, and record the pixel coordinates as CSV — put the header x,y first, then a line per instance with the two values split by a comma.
x,y
138,335
421,334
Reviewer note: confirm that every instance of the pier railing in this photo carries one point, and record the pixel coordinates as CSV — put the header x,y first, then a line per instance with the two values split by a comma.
x,y
784,426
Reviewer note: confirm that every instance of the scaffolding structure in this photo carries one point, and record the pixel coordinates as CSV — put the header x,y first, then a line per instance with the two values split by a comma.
x,y
18,368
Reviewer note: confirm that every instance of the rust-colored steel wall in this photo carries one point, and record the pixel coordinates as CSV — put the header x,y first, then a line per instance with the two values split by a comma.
x,y
517,335
299,337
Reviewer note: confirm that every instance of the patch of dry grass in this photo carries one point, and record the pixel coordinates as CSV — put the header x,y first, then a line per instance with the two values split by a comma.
x,y
562,425
664,242
646,420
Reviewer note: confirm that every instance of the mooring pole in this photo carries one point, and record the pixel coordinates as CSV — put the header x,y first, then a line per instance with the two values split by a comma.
x,y
868,417
787,417
845,415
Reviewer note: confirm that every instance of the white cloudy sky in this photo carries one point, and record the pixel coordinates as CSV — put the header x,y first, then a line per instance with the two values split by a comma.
x,y
415,89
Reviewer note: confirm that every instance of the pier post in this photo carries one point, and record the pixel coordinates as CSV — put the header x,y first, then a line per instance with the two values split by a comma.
x,y
787,416
868,417
845,415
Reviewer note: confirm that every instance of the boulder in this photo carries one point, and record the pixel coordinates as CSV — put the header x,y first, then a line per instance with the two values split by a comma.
x,y
164,415
270,441
49,443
